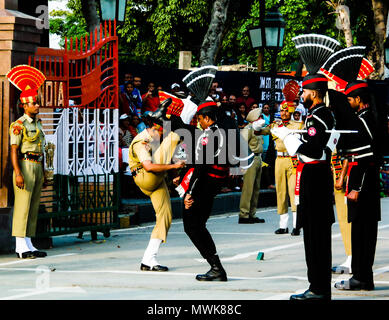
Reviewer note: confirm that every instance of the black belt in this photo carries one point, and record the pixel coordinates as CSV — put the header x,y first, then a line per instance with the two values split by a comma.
x,y
32,156
135,171
257,154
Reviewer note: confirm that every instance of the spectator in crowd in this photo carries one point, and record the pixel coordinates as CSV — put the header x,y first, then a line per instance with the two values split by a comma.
x,y
137,82
253,106
242,122
127,78
300,108
232,101
135,126
245,98
215,92
176,90
297,116
129,101
125,136
150,100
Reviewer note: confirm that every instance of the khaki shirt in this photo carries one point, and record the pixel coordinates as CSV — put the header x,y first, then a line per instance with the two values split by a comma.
x,y
27,133
255,142
140,149
293,125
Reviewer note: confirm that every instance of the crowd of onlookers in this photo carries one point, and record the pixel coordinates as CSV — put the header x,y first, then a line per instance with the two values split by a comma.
x,y
137,100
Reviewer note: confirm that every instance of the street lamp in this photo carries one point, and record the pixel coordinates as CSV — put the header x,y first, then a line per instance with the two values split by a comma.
x,y
112,10
270,35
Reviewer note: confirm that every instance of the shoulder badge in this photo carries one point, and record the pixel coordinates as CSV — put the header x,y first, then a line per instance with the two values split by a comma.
x,y
17,127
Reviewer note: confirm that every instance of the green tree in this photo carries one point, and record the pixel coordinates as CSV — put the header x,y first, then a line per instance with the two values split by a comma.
x,y
68,23
156,30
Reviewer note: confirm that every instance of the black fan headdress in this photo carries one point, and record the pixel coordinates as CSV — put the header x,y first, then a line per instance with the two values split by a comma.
x,y
344,65
199,81
315,49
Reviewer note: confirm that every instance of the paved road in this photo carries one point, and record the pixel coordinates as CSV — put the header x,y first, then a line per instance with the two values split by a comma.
x,y
109,268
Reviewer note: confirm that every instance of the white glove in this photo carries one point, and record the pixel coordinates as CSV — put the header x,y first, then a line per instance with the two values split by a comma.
x,y
280,132
333,140
258,124
292,143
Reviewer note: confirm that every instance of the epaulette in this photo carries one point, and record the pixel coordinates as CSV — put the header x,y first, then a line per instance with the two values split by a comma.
x,y
17,126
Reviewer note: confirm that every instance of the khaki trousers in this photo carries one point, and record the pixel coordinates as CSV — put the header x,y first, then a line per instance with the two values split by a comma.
x,y
250,189
154,185
27,200
344,225
285,178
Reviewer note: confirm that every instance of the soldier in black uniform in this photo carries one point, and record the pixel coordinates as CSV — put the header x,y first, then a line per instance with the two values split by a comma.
x,y
204,182
314,186
362,189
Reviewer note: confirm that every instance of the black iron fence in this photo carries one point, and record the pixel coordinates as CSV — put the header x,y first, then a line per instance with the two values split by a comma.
x,y
79,203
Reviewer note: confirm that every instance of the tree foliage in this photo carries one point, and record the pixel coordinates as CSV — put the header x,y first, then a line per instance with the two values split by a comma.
x,y
156,30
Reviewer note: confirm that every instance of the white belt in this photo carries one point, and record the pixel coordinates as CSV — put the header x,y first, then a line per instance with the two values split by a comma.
x,y
306,159
282,154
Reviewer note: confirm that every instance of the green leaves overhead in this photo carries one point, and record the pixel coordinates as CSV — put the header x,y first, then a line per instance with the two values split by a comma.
x,y
156,30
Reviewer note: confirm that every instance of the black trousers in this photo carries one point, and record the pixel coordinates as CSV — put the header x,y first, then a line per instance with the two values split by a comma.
x,y
315,215
364,216
363,244
195,218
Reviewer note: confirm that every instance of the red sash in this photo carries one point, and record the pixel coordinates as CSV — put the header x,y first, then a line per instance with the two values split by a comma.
x,y
298,179
183,187
350,165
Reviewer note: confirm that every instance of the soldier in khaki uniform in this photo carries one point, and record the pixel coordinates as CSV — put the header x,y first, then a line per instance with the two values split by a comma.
x,y
252,177
339,172
149,160
285,171
27,146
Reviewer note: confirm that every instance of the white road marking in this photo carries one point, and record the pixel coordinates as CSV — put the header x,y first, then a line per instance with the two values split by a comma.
x,y
149,273
37,259
35,292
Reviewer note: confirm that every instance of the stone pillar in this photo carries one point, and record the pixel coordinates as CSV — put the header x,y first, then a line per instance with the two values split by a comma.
x,y
19,38
185,60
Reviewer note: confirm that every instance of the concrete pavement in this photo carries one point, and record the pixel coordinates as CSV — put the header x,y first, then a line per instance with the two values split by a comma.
x,y
109,267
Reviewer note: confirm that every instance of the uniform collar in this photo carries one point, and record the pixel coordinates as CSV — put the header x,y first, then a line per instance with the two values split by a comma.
x,y
28,118
315,107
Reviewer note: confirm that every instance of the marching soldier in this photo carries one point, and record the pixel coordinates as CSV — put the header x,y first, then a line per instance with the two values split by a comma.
x,y
362,189
203,183
27,147
149,160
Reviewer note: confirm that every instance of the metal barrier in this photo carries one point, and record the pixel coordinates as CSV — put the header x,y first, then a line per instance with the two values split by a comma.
x,y
79,203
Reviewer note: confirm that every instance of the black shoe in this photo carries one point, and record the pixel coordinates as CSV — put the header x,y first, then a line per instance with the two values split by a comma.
x,y
281,231
341,270
354,284
25,255
213,275
157,267
257,220
309,295
245,220
295,232
39,254
160,114
216,273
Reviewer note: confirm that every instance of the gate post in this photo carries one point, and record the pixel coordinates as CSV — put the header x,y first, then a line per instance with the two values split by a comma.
x,y
19,38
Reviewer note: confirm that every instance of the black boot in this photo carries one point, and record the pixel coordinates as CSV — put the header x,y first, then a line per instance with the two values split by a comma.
x,y
160,114
216,273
